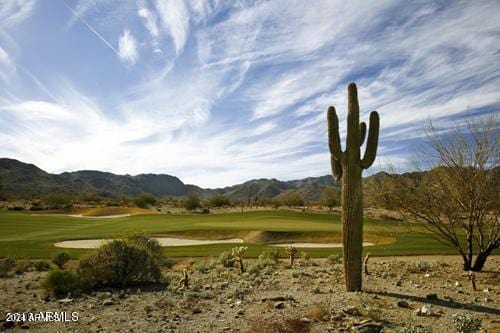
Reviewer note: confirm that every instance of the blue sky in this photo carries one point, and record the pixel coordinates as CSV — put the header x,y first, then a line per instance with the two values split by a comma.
x,y
220,92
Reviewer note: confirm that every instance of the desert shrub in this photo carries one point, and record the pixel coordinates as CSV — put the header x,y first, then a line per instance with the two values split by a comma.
x,y
226,259
6,265
264,264
131,261
36,206
58,201
319,312
167,262
422,266
22,266
41,265
203,266
149,244
334,259
144,200
273,255
218,201
192,202
409,327
466,324
370,308
282,325
60,282
61,259
304,257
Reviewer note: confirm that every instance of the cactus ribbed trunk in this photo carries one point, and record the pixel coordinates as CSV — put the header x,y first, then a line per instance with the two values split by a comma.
x,y
348,166
352,224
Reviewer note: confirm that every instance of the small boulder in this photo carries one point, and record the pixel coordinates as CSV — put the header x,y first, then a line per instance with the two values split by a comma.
x,y
368,327
402,303
279,305
108,302
8,324
352,310
427,311
66,300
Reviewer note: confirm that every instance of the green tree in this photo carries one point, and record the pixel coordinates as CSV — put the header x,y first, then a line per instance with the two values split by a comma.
x,y
192,202
330,197
58,201
144,200
218,201
292,199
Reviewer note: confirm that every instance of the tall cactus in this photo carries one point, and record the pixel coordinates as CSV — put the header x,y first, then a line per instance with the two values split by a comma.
x,y
347,166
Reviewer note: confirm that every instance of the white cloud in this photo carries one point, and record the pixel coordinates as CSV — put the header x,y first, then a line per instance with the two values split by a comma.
x,y
13,12
174,16
7,66
247,98
127,47
150,22
4,58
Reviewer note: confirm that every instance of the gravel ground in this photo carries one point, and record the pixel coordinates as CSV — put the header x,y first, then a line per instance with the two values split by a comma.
x,y
309,297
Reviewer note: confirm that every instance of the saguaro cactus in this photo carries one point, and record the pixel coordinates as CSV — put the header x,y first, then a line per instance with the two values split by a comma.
x,y
348,166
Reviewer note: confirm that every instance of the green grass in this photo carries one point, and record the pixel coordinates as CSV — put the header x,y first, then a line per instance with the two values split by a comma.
x,y
32,236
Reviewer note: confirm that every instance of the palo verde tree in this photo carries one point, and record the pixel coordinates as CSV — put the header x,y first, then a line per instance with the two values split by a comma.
x,y
457,197
348,166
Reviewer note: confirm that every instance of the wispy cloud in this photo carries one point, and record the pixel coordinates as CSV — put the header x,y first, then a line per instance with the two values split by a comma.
x,y
127,47
150,22
240,90
14,12
174,17
6,64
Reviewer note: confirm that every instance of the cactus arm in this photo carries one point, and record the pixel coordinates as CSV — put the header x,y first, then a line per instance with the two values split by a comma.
x,y
372,142
336,168
333,134
362,133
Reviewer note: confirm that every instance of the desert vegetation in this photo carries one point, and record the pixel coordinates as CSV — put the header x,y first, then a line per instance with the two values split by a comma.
x,y
270,295
457,200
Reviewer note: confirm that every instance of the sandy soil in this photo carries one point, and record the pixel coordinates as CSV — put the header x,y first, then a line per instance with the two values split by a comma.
x,y
221,300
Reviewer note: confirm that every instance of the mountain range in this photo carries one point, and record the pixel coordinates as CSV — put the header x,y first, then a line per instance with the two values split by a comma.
x,y
27,180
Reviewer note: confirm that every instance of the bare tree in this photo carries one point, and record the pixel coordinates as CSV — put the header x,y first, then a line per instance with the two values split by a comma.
x,y
457,199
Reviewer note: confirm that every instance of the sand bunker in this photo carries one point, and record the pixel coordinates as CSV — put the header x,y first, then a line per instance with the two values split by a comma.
x,y
170,241
164,241
100,217
316,244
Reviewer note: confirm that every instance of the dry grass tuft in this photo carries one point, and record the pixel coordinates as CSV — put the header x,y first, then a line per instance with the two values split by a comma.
x,y
320,312
284,325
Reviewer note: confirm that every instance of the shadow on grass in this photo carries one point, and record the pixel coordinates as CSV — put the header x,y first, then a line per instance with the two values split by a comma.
x,y
439,302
